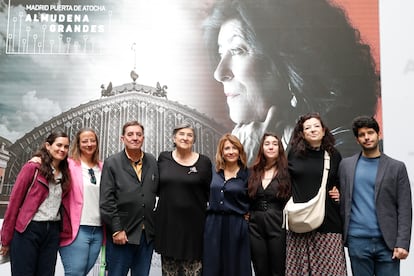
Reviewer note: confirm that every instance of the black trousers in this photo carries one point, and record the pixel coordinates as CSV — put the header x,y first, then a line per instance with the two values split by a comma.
x,y
34,251
267,244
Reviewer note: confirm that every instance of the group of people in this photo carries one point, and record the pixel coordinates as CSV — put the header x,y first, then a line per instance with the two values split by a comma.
x,y
209,219
216,218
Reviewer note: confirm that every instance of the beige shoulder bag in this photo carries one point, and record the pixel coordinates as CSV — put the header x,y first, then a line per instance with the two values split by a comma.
x,y
307,216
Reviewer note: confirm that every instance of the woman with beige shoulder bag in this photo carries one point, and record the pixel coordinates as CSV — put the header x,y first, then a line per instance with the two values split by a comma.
x,y
318,250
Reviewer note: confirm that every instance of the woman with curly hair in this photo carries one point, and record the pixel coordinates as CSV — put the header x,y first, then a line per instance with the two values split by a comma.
x,y
321,251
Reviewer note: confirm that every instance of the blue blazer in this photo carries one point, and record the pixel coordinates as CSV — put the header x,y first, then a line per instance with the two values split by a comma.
x,y
392,199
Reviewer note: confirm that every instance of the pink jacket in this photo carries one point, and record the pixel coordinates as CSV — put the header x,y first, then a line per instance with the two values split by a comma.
x,y
22,208
75,198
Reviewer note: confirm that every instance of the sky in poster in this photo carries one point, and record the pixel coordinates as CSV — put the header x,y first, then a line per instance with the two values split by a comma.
x,y
160,39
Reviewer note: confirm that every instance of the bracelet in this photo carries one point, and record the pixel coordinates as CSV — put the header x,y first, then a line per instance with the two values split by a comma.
x,y
116,233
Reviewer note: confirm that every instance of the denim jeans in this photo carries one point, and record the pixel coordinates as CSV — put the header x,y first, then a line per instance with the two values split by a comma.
x,y
34,252
79,257
121,258
371,256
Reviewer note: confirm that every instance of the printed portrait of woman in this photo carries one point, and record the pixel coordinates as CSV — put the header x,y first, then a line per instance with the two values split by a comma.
x,y
279,59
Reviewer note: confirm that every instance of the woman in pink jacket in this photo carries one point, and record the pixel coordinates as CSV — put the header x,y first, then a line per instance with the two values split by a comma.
x,y
37,213
80,250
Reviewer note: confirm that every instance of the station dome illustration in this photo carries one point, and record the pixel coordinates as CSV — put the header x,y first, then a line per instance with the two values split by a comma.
x,y
116,106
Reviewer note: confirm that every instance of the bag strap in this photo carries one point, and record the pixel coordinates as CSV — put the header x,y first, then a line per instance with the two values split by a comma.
x,y
326,168
31,185
322,189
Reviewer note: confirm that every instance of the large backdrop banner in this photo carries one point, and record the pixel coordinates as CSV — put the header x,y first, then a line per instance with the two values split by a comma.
x,y
246,67
241,66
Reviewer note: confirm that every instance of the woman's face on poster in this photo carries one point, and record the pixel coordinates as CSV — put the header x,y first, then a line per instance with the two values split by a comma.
x,y
249,84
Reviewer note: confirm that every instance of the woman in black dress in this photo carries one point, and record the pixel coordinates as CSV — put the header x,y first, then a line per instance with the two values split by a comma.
x,y
269,189
184,186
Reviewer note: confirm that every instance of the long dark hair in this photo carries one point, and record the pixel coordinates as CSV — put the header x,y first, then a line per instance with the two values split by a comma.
x,y
45,166
258,169
299,144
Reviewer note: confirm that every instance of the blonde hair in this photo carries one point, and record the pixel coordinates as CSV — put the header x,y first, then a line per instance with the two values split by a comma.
x,y
75,152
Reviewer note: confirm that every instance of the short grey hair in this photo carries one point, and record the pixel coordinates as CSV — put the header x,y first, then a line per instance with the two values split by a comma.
x,y
184,125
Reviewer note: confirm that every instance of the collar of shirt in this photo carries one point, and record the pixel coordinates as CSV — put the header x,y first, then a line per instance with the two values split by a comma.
x,y
137,165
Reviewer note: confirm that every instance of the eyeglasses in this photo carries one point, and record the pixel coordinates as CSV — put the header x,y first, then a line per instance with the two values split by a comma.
x,y
92,174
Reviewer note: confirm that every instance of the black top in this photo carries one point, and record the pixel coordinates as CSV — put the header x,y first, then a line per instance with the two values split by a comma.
x,y
306,176
266,212
181,210
267,195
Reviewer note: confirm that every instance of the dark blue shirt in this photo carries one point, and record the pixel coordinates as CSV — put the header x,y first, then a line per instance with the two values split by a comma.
x,y
363,221
229,196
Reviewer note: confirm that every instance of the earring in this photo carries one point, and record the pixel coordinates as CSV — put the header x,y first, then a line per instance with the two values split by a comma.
x,y
293,100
